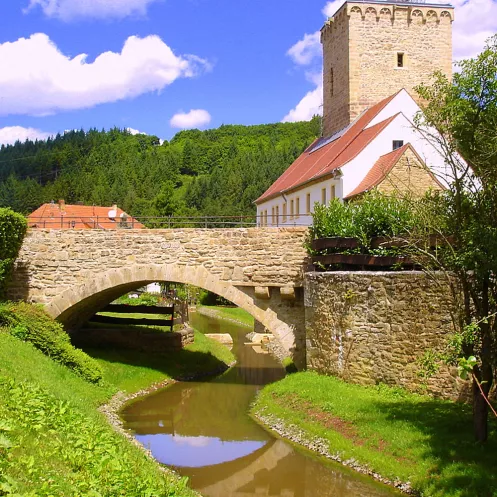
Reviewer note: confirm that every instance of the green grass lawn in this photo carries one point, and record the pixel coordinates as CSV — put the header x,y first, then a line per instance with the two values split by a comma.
x,y
397,434
232,313
55,442
131,371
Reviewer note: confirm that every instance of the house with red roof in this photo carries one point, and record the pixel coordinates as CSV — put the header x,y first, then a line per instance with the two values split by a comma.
x,y
62,216
380,150
375,53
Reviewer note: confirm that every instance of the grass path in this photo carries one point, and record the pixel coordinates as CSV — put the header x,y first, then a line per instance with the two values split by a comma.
x,y
401,436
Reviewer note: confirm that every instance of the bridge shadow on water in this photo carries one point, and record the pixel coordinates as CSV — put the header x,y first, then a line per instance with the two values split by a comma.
x,y
457,463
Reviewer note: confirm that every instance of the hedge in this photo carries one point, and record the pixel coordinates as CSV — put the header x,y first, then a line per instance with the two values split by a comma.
x,y
31,324
13,227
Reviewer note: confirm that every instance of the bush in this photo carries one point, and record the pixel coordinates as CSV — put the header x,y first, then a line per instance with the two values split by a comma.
x,y
31,324
373,215
13,227
145,298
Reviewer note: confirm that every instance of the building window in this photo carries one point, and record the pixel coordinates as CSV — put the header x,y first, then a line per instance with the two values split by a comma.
x,y
308,203
332,192
397,144
284,212
265,217
272,216
332,82
323,196
297,207
400,59
277,212
291,209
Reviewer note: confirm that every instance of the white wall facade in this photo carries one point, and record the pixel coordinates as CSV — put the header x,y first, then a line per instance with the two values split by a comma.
x,y
272,211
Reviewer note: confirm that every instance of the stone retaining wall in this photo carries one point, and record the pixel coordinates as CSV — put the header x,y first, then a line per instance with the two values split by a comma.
x,y
372,327
130,338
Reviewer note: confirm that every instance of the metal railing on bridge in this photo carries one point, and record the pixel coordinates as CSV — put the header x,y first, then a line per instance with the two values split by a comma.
x,y
152,222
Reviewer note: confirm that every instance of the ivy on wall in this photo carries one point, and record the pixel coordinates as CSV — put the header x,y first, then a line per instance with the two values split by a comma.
x,y
13,227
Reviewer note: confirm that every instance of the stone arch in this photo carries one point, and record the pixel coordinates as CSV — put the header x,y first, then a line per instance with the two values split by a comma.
x,y
371,11
431,15
417,15
75,305
445,15
356,10
385,12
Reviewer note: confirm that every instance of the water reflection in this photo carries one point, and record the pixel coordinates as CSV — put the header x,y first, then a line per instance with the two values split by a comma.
x,y
203,430
181,451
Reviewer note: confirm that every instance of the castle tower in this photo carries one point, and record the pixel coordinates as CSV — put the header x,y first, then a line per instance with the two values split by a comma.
x,y
373,49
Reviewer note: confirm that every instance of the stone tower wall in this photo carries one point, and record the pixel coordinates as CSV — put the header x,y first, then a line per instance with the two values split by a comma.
x,y
374,34
336,89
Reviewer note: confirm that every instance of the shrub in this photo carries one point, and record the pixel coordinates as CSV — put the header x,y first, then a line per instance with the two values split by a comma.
x,y
143,299
31,324
373,215
13,227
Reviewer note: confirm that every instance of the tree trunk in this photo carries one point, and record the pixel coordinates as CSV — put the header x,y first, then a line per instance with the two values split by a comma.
x,y
480,414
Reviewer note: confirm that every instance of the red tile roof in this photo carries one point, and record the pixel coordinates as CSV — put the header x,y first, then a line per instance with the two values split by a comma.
x,y
321,158
79,217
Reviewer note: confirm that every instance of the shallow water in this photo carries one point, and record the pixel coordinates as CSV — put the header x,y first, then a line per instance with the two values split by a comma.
x,y
202,430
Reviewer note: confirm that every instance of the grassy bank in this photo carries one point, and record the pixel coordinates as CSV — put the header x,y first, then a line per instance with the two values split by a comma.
x,y
401,436
53,439
234,314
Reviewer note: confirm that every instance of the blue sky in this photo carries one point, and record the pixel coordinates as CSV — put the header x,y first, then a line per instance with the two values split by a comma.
x,y
158,66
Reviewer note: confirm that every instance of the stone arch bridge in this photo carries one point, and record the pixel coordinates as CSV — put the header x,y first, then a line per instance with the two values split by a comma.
x,y
75,273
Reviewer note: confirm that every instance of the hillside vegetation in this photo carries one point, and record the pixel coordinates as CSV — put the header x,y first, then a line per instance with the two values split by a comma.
x,y
213,172
53,440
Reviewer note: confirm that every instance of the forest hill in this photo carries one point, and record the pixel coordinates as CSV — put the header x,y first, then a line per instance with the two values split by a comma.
x,y
214,172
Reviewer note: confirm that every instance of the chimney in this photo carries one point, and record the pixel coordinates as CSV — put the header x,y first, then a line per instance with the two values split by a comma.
x,y
62,205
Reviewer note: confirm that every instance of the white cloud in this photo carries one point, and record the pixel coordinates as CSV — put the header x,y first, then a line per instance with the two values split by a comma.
x,y
67,10
196,118
309,106
475,21
134,131
42,80
11,134
331,7
306,50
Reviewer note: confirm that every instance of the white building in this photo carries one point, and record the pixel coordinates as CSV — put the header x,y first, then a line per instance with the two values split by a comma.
x,y
360,157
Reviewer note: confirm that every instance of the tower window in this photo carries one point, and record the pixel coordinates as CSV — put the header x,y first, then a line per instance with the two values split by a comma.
x,y
331,82
400,59
397,144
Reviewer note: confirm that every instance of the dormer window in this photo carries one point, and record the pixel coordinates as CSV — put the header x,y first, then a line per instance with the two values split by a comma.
x,y
397,144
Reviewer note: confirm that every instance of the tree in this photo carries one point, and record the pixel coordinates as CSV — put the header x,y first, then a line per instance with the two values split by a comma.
x,y
460,118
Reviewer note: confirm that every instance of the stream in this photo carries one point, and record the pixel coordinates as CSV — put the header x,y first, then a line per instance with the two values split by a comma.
x,y
202,430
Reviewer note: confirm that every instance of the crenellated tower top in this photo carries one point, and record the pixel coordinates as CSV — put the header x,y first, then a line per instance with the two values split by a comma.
x,y
372,49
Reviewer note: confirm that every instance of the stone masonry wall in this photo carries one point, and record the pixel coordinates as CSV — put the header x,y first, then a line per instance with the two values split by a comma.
x,y
409,175
336,88
51,261
371,327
